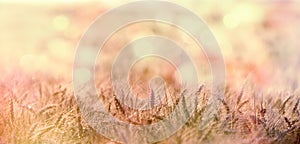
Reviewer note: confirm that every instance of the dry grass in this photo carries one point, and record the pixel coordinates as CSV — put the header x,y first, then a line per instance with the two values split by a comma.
x,y
44,111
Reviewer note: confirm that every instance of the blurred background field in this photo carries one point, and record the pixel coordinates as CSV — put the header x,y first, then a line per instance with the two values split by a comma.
x,y
259,40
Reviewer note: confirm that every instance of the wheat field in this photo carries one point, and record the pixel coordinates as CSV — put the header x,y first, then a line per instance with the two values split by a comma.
x,y
44,111
258,40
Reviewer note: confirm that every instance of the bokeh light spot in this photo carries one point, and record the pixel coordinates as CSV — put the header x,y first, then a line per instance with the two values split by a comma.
x,y
27,61
231,21
60,22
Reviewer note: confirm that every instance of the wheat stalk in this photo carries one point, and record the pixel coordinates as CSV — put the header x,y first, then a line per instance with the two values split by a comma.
x,y
282,109
296,106
46,108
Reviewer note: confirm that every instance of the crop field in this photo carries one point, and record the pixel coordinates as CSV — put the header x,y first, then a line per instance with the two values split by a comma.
x,y
258,41
44,111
